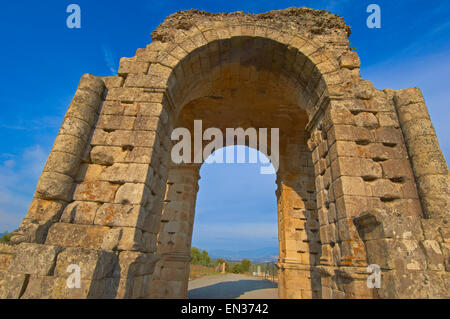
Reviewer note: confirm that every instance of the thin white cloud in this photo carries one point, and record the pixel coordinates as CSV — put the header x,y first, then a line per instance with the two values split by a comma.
x,y
34,124
417,46
109,59
19,175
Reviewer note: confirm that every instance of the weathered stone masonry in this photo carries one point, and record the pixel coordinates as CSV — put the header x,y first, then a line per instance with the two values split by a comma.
x,y
362,179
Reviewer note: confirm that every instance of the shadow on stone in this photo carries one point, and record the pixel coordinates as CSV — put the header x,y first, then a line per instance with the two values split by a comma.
x,y
229,289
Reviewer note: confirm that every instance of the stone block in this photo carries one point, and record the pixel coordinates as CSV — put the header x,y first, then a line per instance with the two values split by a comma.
x,y
94,264
349,206
369,169
418,127
348,185
388,119
73,126
84,110
95,191
380,223
45,210
433,229
349,60
30,231
52,185
412,285
116,122
63,163
349,133
131,239
80,212
5,260
346,230
112,81
147,123
384,189
413,111
89,172
107,155
141,80
423,144
87,98
73,235
429,164
34,259
69,144
366,119
133,263
436,185
39,287
434,255
353,254
136,194
61,289
396,168
364,90
389,136
89,82
12,284
120,215
436,206
124,138
346,166
128,66
133,95
111,239
445,247
408,96
396,254
121,173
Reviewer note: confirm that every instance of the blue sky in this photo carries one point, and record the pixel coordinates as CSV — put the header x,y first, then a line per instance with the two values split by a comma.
x,y
236,207
43,61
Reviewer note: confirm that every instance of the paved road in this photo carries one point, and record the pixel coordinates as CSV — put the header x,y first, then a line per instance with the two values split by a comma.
x,y
231,286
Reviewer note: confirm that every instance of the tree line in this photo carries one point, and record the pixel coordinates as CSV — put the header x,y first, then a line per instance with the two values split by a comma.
x,y
201,257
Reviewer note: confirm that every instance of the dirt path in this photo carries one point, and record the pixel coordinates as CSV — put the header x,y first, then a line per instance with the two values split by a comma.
x,y
231,286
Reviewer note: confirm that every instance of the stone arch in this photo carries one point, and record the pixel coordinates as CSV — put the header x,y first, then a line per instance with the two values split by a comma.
x,y
171,70
246,105
377,199
321,68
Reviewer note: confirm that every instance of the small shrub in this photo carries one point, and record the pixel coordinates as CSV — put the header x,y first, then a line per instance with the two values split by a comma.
x,y
6,238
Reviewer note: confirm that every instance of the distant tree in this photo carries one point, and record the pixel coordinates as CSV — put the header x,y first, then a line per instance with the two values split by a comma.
x,y
196,256
200,257
245,265
236,269
206,260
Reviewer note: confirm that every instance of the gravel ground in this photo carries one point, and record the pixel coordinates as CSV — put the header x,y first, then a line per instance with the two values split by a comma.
x,y
232,286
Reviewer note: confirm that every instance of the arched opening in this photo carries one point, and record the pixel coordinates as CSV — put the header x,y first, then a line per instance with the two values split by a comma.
x,y
245,70
235,219
251,84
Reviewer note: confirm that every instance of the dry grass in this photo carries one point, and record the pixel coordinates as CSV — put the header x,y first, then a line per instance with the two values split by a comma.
x,y
197,271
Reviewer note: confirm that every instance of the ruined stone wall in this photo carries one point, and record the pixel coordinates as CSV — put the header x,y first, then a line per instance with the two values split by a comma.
x,y
371,187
